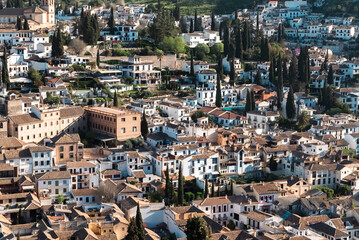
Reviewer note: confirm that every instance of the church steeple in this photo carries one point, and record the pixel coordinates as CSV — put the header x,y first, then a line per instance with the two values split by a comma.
x,y
49,7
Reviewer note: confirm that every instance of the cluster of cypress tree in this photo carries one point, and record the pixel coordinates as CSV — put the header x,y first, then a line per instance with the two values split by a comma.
x,y
89,28
135,230
20,25
57,44
250,101
4,77
111,22
163,25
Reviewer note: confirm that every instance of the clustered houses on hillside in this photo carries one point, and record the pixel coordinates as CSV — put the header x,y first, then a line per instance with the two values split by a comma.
x,y
98,131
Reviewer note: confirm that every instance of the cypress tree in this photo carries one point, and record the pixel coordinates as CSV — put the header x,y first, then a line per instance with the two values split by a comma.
x,y
213,22
1,5
279,33
257,25
232,188
139,223
191,26
226,40
290,106
212,189
248,107
111,22
206,188
330,75
18,23
293,72
258,78
132,230
115,100
172,193
279,84
272,72
197,22
5,72
167,187
57,46
219,79
246,36
239,43
26,24
144,126
253,101
180,186
176,12
98,58
183,25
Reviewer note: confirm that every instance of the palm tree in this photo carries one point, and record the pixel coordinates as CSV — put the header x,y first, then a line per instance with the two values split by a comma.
x,y
303,118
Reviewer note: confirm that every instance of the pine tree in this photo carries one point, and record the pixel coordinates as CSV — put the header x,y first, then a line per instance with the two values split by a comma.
x,y
191,26
26,24
183,25
206,188
5,71
132,230
111,22
290,106
144,126
330,75
219,79
115,100
18,23
139,223
258,78
248,106
213,22
180,186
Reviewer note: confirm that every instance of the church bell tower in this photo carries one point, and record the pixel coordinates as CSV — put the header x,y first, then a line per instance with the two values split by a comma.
x,y
49,7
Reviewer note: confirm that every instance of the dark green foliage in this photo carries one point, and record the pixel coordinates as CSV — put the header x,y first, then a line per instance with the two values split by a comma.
x,y
98,58
26,24
139,223
89,28
258,78
330,75
239,43
253,100
326,190
279,84
232,73
177,12
197,229
144,126
132,230
57,44
167,186
192,64
248,107
226,40
115,100
191,26
183,25
213,22
273,165
163,26
212,189
272,72
5,72
180,197
290,106
19,23
231,225
111,22
265,49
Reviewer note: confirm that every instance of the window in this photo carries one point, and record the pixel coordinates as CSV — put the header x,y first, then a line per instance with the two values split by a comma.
x,y
61,149
123,130
56,183
61,155
123,119
71,148
134,118
134,129
71,155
